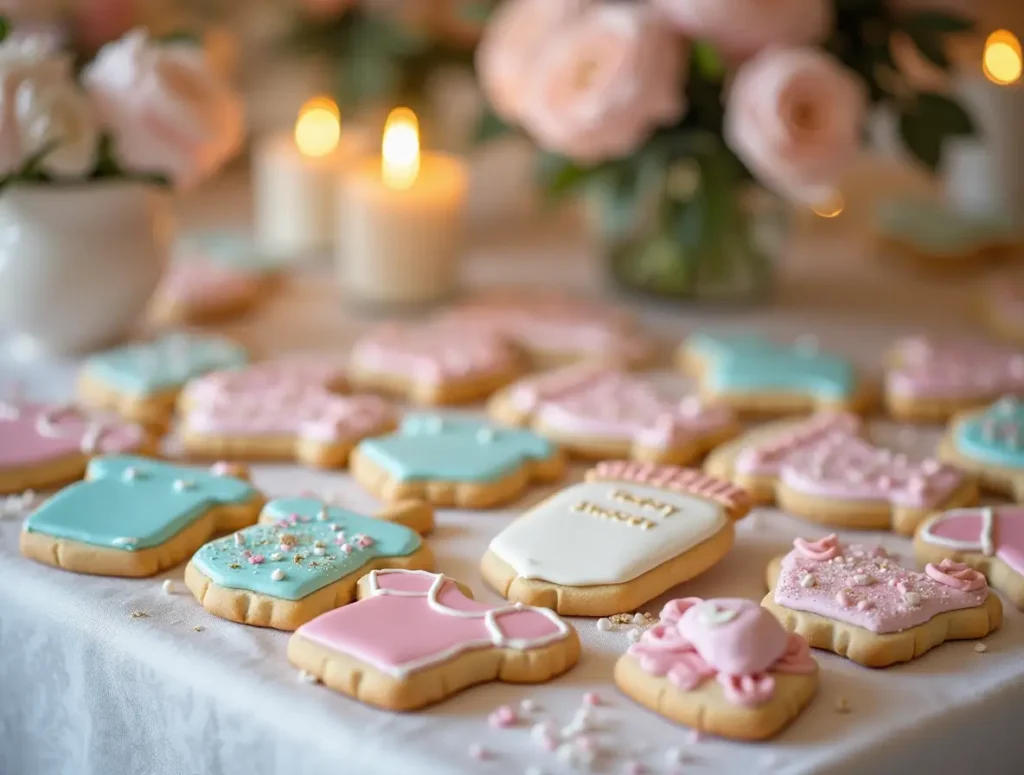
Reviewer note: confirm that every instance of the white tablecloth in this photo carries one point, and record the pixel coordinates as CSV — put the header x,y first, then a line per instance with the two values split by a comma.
x,y
86,687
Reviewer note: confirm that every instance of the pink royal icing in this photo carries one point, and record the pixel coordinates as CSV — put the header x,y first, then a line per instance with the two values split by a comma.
x,y
957,370
206,283
993,531
33,433
731,639
291,398
956,575
867,589
592,399
412,620
688,480
767,457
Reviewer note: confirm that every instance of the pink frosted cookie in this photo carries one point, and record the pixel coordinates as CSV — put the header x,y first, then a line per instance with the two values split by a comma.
x,y
556,329
598,411
434,364
821,469
723,666
988,539
42,445
861,604
933,380
201,290
280,409
416,638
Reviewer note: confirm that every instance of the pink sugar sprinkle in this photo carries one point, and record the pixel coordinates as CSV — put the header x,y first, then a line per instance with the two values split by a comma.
x,y
363,541
292,519
479,753
902,587
503,717
591,698
346,548
256,559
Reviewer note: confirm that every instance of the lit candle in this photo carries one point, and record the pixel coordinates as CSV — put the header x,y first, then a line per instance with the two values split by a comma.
x,y
400,220
984,174
295,180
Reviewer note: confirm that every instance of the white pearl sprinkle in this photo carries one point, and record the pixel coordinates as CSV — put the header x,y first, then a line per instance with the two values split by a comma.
x,y
980,648
633,635
527,706
277,575
181,485
807,581
639,619
322,515
863,579
239,539
130,474
604,624
912,599
276,557
318,551
168,587
307,677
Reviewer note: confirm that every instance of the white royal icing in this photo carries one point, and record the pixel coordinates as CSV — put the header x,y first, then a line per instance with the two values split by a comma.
x,y
985,543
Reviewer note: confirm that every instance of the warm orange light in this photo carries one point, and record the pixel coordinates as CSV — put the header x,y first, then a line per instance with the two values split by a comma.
x,y
400,149
1002,60
831,207
318,128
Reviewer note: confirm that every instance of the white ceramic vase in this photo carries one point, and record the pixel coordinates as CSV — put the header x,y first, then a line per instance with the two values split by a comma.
x,y
79,263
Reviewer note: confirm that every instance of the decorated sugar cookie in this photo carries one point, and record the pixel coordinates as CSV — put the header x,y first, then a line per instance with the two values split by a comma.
x,y
724,666
42,445
302,560
133,516
759,377
821,469
454,461
200,291
1001,302
989,443
598,411
932,380
555,329
141,381
627,534
280,409
433,363
861,604
988,539
416,638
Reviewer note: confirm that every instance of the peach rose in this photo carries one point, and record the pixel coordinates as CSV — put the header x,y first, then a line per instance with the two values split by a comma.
x,y
795,116
741,28
604,83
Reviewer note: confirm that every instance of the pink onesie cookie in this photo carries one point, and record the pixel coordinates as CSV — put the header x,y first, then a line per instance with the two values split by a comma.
x,y
280,409
416,638
933,380
821,469
598,411
433,363
722,666
42,445
860,603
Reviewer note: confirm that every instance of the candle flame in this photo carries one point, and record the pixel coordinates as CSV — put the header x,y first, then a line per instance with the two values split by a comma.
x,y
400,149
318,128
831,207
1002,61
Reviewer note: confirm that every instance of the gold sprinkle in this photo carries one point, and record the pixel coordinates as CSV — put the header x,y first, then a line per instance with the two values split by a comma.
x,y
234,566
298,558
843,705
198,628
139,615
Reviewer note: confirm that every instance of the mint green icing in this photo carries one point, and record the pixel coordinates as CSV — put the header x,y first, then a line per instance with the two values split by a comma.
x,y
744,364
134,498
995,436
232,249
453,449
934,228
166,363
227,562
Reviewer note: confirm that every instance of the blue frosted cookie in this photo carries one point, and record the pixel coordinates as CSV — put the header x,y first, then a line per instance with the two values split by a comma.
x,y
990,444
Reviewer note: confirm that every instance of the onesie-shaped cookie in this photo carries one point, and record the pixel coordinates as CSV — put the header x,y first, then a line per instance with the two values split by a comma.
x,y
989,539
42,445
723,666
820,469
416,638
600,412
278,410
303,560
932,380
141,381
133,516
434,364
202,291
453,461
614,542
989,443
860,604
758,377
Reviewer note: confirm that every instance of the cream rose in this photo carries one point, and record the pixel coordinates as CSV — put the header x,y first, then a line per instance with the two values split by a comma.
x,y
168,110
741,28
604,83
795,118
56,119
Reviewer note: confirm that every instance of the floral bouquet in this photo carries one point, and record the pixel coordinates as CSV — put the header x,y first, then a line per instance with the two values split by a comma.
x,y
676,114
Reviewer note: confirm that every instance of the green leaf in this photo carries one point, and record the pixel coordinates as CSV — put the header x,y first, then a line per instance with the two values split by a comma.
x,y
490,127
707,61
936,21
182,37
5,28
931,44
560,176
943,113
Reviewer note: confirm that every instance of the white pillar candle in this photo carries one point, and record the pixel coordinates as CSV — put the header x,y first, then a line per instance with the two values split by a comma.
x,y
295,180
401,220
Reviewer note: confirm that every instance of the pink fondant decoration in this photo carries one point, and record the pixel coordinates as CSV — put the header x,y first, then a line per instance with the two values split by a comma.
x,y
963,530
955,369
415,619
34,434
688,480
956,575
896,598
766,458
283,398
824,549
203,283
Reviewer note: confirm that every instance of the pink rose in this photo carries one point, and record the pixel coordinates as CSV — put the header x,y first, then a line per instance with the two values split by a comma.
x,y
604,83
168,110
794,116
741,28
515,36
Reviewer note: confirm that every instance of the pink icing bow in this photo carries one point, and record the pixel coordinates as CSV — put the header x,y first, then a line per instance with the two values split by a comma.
x,y
956,575
663,651
825,549
749,690
797,658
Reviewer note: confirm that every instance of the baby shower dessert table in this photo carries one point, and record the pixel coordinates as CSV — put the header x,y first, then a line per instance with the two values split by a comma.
x,y
101,675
